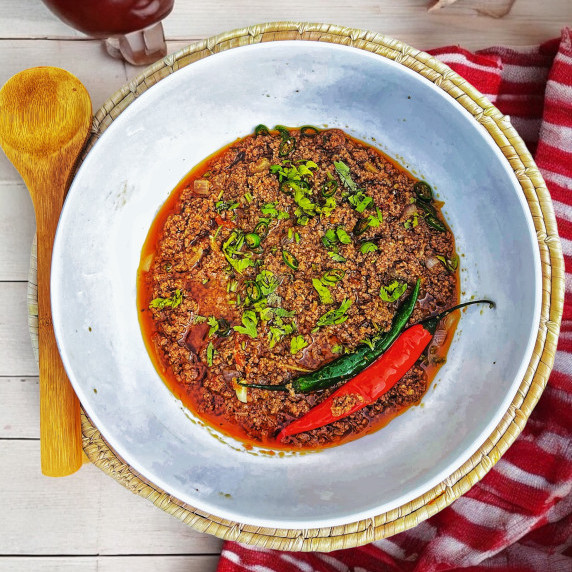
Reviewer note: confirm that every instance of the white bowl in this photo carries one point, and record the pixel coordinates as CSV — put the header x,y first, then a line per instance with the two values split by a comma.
x,y
139,160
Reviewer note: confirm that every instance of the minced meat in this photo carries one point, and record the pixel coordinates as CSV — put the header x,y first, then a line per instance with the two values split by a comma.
x,y
268,262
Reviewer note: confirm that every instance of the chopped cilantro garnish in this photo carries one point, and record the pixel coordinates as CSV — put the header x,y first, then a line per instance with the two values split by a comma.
x,y
328,206
281,312
231,249
297,343
294,181
278,331
368,343
335,316
267,282
323,292
266,314
332,277
412,221
356,196
306,206
377,219
332,237
329,239
337,349
336,257
450,264
293,173
214,325
225,206
269,209
172,302
343,236
360,201
249,321
367,247
344,172
210,353
328,280
393,291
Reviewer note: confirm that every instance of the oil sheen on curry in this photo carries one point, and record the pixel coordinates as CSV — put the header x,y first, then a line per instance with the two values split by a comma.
x,y
287,286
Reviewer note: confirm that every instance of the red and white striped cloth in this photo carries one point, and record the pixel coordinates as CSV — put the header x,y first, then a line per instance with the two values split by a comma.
x,y
519,517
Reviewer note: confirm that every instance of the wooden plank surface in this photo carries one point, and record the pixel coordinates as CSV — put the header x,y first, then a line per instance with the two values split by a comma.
x,y
161,563
87,521
528,22
17,227
100,74
17,357
19,406
85,513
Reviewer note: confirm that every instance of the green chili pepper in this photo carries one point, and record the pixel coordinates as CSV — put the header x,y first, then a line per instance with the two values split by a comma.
x,y
223,328
286,146
284,133
253,290
435,223
427,208
450,264
368,247
361,226
252,240
261,229
423,191
347,366
290,260
431,217
305,128
287,186
261,130
329,188
333,276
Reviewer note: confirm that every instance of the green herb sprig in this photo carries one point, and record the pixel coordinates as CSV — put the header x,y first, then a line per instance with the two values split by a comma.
x,y
171,302
334,316
249,323
297,343
392,291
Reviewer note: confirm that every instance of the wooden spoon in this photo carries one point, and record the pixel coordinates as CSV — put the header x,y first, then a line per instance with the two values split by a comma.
x,y
45,116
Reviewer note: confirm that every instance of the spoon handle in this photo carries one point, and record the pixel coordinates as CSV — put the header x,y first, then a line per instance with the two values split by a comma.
x,y
60,425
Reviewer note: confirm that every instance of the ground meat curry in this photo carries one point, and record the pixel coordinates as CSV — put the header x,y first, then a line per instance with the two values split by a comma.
x,y
275,256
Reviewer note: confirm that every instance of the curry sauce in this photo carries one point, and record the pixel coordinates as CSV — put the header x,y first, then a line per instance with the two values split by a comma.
x,y
268,262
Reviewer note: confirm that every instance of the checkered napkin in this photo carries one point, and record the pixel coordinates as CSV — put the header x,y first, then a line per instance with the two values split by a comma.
x,y
519,517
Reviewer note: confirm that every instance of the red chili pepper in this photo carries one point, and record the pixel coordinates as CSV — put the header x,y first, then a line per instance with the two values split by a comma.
x,y
222,222
374,381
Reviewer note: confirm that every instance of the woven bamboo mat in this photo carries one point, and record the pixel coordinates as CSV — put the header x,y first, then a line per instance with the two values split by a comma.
x,y
535,379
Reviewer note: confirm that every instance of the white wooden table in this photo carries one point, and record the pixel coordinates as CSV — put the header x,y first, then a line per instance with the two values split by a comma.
x,y
88,521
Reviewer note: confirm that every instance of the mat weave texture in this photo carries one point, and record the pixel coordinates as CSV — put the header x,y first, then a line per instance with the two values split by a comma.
x,y
534,382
